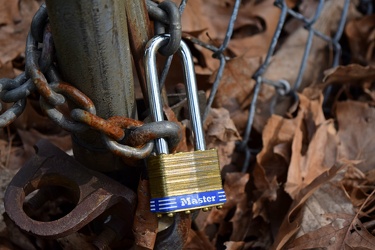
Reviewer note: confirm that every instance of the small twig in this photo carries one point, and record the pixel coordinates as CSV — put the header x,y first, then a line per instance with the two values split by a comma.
x,y
360,209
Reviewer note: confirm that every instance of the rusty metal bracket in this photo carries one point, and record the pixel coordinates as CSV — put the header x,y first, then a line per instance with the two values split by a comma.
x,y
93,192
177,234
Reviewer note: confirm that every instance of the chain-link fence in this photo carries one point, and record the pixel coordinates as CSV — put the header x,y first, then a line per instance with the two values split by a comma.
x,y
282,86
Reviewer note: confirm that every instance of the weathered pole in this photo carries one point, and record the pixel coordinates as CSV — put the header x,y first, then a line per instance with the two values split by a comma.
x,y
93,54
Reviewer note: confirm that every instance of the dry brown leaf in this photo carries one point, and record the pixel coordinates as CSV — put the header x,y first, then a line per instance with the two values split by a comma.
x,y
277,138
235,225
356,122
351,73
269,193
15,19
31,137
219,126
221,133
234,186
241,220
321,154
256,43
360,33
345,231
354,182
313,147
292,222
234,245
10,12
328,199
235,91
272,161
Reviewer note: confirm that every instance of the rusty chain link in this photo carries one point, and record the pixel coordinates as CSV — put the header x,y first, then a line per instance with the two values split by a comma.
x,y
41,75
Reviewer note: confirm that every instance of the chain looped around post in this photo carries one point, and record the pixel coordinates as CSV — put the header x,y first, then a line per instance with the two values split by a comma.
x,y
41,75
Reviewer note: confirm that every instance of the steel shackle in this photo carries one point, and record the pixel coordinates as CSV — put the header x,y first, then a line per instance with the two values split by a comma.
x,y
155,101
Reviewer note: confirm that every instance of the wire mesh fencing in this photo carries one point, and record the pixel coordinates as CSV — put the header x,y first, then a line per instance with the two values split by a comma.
x,y
283,87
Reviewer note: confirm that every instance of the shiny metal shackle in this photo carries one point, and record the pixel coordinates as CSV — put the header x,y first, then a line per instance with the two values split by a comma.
x,y
156,107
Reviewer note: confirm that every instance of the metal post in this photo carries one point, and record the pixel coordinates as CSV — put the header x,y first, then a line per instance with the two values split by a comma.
x,y
140,33
93,54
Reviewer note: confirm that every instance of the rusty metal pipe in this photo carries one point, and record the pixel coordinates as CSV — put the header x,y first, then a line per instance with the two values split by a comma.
x,y
93,54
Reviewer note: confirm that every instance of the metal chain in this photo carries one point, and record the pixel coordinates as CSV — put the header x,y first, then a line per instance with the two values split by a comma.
x,y
168,62
41,75
167,15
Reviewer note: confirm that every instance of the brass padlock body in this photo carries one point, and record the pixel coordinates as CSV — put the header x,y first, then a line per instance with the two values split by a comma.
x,y
185,181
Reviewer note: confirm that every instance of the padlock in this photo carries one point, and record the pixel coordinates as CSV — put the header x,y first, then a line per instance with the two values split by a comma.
x,y
188,180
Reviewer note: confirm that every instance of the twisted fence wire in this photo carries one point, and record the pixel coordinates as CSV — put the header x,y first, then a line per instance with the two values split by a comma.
x,y
218,54
282,86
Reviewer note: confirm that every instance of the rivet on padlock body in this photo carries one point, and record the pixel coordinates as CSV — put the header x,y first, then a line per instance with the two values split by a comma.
x,y
188,180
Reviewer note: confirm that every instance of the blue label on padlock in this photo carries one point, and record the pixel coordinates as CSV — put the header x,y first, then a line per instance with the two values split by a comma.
x,y
187,201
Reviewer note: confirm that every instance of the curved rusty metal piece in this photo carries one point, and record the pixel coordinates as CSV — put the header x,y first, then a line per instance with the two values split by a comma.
x,y
151,131
94,192
176,235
